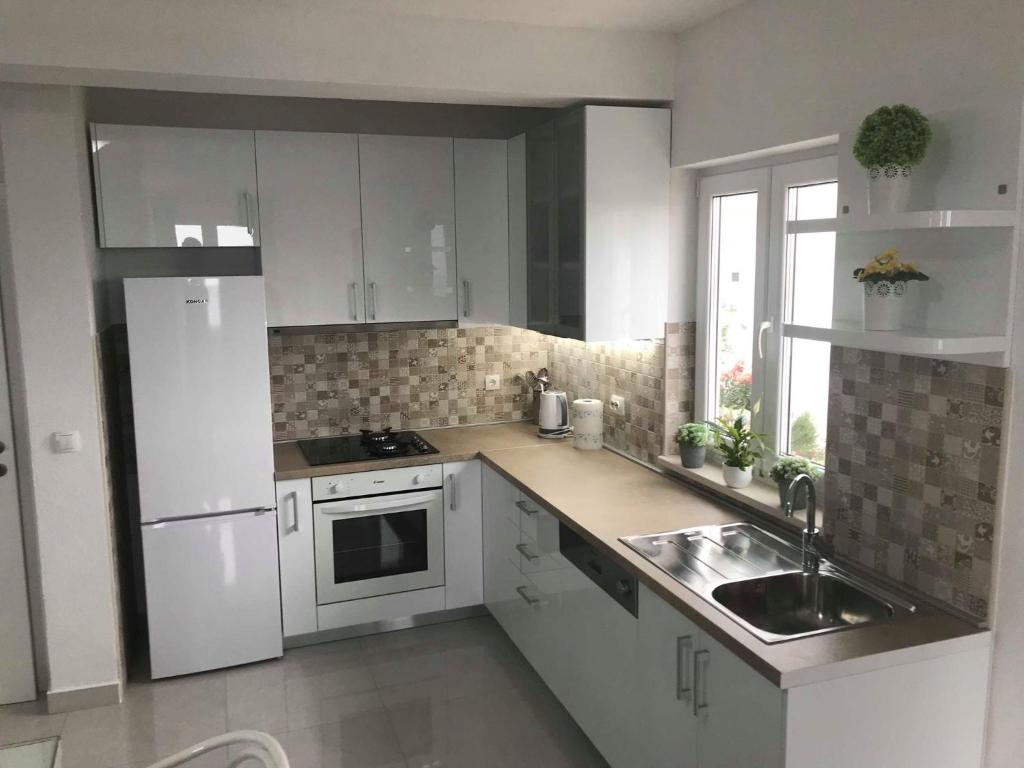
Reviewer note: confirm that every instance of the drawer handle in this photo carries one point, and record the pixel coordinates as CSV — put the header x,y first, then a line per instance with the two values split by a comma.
x,y
529,600
522,505
684,683
525,552
700,682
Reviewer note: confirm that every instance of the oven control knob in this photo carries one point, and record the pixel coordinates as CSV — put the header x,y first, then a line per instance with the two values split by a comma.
x,y
334,487
419,479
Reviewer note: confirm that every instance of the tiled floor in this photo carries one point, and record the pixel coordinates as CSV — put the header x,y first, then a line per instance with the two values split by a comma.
x,y
456,694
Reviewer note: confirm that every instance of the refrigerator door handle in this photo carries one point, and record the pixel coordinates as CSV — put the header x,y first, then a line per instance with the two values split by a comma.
x,y
254,511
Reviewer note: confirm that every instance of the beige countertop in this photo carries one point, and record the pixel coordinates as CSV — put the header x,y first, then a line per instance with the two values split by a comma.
x,y
605,496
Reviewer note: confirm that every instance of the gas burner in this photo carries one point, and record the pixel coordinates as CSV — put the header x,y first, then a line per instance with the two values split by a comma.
x,y
377,438
386,449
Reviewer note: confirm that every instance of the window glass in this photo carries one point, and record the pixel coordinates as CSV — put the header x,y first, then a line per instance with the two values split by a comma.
x,y
734,255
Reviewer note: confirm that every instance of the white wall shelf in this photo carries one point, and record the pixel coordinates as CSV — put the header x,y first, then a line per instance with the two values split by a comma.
x,y
926,342
939,219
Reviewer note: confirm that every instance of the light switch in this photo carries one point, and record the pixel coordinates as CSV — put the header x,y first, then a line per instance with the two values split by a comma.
x,y
67,442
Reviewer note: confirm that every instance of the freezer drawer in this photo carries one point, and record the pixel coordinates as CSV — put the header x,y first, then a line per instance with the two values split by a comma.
x,y
212,592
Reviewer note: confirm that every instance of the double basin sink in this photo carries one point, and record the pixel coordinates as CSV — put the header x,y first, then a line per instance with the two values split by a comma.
x,y
757,579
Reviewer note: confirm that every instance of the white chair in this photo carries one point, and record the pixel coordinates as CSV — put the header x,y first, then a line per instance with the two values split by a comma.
x,y
258,746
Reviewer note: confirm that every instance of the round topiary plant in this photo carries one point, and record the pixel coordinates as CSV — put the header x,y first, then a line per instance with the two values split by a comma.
x,y
892,137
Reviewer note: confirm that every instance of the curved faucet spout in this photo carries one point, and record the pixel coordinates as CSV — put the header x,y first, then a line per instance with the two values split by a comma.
x,y
811,558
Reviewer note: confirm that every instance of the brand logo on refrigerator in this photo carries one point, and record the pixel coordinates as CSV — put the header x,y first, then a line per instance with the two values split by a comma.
x,y
197,301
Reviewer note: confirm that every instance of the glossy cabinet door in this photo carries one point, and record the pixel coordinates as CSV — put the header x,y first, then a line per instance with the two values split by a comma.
x,y
501,559
541,229
517,281
463,535
481,231
408,204
727,693
174,187
666,648
312,245
569,171
295,548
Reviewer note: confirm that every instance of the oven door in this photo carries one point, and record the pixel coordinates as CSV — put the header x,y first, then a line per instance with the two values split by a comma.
x,y
379,545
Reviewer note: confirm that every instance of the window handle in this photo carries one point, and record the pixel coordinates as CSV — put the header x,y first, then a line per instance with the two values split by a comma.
x,y
766,325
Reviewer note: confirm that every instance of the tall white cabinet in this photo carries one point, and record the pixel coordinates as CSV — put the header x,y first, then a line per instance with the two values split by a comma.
x,y
312,248
174,187
482,231
408,209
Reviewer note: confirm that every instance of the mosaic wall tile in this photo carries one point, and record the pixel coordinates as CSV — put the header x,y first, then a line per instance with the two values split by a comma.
x,y
329,384
338,383
635,370
912,469
680,359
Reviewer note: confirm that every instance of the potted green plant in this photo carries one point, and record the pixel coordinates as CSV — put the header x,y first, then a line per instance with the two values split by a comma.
x,y
891,141
886,280
785,470
740,449
692,440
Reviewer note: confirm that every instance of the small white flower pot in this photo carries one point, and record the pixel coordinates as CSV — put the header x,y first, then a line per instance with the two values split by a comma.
x,y
884,302
889,189
737,478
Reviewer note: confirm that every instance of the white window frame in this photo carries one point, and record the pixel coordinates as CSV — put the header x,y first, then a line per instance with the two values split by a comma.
x,y
772,184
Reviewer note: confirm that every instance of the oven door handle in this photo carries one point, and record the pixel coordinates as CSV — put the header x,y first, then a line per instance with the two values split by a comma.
x,y
358,508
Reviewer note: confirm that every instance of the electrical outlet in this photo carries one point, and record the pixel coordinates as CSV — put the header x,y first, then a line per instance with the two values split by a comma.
x,y
618,404
492,381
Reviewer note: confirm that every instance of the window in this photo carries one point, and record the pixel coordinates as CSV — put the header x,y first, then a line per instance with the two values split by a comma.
x,y
767,259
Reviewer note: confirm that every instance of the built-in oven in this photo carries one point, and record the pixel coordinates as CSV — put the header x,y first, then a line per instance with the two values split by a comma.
x,y
377,533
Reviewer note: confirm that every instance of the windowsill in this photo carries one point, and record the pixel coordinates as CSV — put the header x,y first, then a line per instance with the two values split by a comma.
x,y
760,495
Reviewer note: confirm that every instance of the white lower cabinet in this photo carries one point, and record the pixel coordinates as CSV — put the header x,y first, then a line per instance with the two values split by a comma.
x,y
463,536
650,691
295,551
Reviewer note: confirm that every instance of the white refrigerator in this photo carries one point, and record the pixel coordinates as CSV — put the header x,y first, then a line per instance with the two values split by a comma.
x,y
200,384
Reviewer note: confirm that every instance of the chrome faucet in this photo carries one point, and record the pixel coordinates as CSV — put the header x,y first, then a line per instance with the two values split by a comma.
x,y
811,557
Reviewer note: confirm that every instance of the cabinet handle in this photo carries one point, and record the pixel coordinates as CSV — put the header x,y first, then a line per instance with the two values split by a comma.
x,y
684,683
466,298
294,527
529,600
353,290
373,301
525,552
526,509
248,213
452,491
700,683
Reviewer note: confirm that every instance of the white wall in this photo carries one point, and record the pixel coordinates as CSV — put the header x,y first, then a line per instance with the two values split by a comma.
x,y
775,72
322,48
48,280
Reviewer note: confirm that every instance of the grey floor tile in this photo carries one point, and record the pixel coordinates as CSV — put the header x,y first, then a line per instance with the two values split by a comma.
x,y
444,696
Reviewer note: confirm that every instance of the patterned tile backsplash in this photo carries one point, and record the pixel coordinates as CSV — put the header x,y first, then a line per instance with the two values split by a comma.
x,y
413,379
331,384
913,465
680,359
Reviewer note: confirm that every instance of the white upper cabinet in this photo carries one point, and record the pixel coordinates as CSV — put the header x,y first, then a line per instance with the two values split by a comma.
x,y
174,187
312,249
626,190
408,204
597,225
482,230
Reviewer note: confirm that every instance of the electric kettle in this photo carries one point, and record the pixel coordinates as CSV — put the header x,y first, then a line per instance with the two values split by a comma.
x,y
553,415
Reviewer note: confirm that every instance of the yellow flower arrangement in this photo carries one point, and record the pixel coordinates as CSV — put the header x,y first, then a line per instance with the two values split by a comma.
x,y
887,266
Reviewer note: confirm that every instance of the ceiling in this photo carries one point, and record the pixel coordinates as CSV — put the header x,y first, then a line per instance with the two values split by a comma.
x,y
636,15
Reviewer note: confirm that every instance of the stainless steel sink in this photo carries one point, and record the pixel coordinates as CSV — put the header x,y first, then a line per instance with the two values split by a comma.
x,y
800,604
756,578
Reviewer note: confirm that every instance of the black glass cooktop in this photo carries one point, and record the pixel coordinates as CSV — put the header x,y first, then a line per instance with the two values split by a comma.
x,y
365,446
